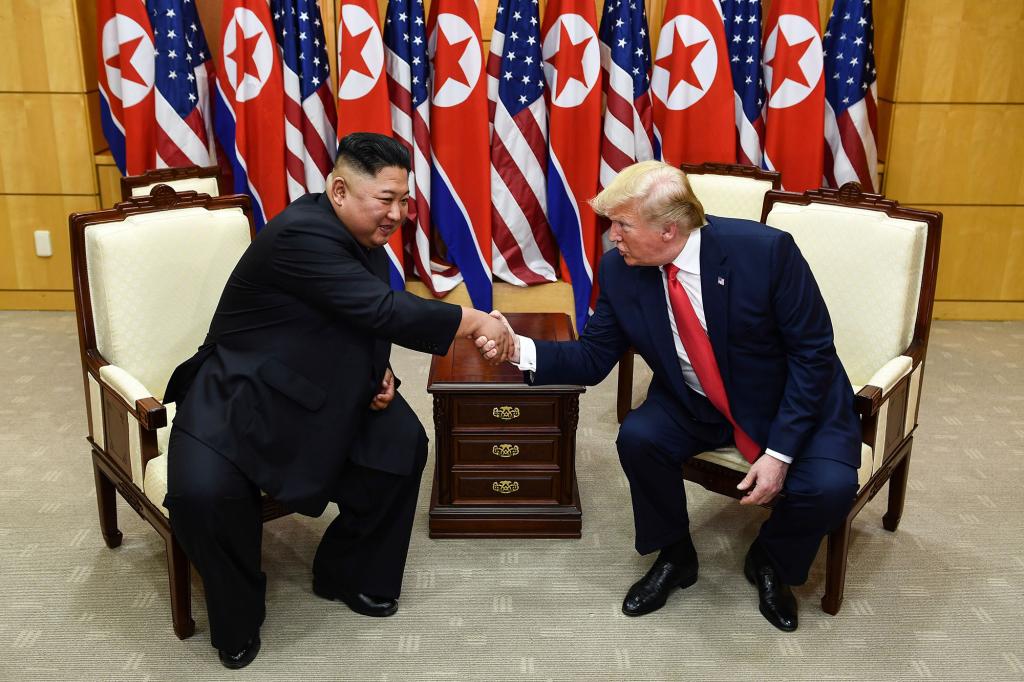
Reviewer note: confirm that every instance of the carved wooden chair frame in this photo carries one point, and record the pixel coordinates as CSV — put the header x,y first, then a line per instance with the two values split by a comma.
x,y
169,175
111,451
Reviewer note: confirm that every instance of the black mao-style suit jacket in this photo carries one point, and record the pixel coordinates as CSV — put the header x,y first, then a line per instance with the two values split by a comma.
x,y
297,349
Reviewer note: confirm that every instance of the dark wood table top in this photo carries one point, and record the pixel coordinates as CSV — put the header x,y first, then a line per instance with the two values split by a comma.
x,y
463,368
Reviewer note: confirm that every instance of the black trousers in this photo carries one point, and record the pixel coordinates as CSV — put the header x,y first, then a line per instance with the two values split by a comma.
x,y
653,445
215,515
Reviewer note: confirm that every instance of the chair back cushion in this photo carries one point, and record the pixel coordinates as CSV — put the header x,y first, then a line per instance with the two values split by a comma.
x,y
155,279
206,185
730,196
869,268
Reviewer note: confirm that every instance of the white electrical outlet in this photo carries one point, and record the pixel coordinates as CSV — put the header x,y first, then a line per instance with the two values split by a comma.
x,y
43,246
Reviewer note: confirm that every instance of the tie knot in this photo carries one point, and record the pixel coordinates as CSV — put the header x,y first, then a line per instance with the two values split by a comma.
x,y
671,270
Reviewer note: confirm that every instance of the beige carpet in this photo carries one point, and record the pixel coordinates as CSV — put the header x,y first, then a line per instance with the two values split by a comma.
x,y
940,599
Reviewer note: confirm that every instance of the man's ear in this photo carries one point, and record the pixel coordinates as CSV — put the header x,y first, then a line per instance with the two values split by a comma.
x,y
669,232
338,188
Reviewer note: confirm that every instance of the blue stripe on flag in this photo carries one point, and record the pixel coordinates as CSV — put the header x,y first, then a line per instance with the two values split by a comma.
x,y
565,223
115,138
224,127
458,236
395,275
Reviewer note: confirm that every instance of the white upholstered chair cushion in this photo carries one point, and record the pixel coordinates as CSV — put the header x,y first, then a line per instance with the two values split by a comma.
x,y
869,269
154,280
202,185
730,458
730,195
156,481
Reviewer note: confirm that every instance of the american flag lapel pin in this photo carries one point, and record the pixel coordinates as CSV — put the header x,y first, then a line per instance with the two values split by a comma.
x,y
721,281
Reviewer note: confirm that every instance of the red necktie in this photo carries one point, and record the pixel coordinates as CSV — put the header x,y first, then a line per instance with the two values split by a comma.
x,y
702,358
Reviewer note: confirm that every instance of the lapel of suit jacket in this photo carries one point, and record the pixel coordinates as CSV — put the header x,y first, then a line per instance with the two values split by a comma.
x,y
650,292
714,291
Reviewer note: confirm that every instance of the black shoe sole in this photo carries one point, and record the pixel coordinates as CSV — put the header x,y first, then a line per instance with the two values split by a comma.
x,y
687,581
250,656
354,606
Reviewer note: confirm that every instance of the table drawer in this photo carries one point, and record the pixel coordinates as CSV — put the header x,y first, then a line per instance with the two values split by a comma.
x,y
505,449
506,411
505,487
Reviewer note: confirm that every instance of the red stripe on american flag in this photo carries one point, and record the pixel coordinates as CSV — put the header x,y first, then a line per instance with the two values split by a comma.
x,y
620,108
511,251
524,195
169,151
853,145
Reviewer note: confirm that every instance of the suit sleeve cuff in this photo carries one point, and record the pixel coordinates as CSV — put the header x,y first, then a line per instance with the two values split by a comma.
x,y
779,456
527,354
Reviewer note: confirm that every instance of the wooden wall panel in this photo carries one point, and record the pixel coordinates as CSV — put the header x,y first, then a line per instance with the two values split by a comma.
x,y
888,37
962,51
108,176
20,216
47,144
40,47
956,154
982,254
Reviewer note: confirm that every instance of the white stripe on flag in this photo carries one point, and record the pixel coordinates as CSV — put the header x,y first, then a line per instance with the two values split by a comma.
x,y
179,132
750,141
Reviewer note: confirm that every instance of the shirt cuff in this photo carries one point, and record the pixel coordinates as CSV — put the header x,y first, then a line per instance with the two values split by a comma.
x,y
527,354
779,456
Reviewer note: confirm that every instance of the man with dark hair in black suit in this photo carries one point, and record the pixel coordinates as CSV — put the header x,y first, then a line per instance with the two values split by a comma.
x,y
292,394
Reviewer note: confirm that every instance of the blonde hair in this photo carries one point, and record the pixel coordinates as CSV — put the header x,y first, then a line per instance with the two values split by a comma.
x,y
661,192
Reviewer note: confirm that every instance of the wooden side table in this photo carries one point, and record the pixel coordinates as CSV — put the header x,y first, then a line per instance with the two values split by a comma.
x,y
505,464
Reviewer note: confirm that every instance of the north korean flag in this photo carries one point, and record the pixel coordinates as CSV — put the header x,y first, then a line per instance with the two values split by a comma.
x,y
126,77
794,111
250,106
363,104
460,181
572,68
692,85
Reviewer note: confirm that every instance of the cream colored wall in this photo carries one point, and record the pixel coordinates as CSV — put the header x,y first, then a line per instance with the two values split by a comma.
x,y
951,119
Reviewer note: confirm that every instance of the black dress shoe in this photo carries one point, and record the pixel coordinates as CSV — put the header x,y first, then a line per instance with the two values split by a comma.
x,y
242,657
366,604
650,592
776,601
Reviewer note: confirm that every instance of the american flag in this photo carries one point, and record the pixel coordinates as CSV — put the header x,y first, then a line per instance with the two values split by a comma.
x,y
184,74
309,112
408,69
851,118
524,250
628,133
743,34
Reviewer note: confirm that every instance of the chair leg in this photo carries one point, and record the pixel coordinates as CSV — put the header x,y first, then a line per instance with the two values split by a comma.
x,y
897,492
835,567
624,403
179,575
106,501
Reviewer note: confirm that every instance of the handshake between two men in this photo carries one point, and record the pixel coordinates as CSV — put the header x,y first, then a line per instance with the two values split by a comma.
x,y
493,336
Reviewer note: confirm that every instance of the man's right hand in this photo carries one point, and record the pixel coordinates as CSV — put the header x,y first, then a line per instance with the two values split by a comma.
x,y
491,336
513,356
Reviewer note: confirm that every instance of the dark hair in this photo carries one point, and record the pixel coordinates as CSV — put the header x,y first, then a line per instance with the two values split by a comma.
x,y
370,152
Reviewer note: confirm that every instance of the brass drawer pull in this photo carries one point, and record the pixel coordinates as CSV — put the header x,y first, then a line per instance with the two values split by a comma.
x,y
505,450
505,487
506,413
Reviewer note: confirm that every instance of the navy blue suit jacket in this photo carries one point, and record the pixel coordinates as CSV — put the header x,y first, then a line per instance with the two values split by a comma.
x,y
769,328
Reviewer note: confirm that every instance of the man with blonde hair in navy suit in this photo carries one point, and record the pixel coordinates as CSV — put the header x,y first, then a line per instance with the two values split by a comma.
x,y
728,316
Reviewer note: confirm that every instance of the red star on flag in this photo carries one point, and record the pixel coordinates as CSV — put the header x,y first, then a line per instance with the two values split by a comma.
x,y
128,71
568,61
786,62
352,45
679,63
450,68
242,55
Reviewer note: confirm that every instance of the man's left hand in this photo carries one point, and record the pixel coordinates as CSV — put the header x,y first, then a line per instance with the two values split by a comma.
x,y
764,480
387,392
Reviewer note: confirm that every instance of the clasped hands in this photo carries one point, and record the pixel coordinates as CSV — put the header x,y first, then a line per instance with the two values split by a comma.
x,y
495,339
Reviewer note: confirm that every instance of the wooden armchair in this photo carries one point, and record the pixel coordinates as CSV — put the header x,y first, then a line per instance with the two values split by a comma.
x,y
202,179
727,190
147,277
876,264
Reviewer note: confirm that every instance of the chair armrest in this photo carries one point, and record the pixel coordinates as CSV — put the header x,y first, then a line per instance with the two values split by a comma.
x,y
869,398
137,398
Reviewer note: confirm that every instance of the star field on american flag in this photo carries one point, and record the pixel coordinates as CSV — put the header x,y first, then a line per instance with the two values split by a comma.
x,y
743,34
176,30
406,36
522,78
624,30
849,56
307,56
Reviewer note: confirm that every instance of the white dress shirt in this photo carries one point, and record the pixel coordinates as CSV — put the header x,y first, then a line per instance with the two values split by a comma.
x,y
688,262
